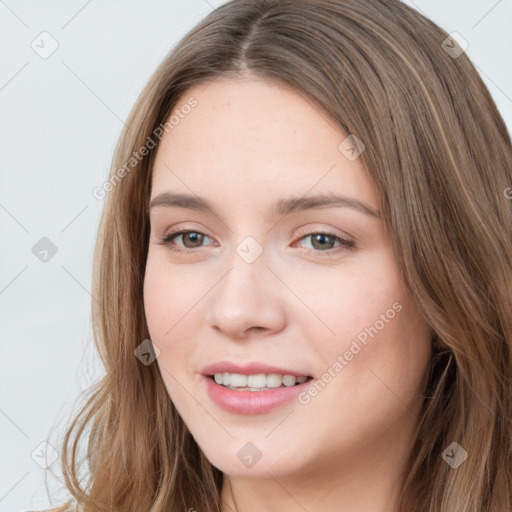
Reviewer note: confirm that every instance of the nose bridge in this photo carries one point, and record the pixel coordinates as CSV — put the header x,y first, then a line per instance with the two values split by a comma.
x,y
245,298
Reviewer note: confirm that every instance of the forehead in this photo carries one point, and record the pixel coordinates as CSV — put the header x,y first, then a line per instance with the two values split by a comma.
x,y
255,138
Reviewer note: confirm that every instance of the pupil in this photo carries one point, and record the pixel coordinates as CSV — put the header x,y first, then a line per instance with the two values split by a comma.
x,y
317,238
196,236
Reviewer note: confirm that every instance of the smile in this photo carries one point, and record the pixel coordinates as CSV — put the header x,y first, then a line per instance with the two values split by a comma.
x,y
257,382
240,400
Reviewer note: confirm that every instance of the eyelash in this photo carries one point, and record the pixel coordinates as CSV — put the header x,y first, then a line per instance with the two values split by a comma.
x,y
344,244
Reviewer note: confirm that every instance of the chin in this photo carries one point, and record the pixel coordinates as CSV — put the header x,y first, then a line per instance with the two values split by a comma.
x,y
244,458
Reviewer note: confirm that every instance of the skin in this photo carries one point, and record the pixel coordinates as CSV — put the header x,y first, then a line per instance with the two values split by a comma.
x,y
246,144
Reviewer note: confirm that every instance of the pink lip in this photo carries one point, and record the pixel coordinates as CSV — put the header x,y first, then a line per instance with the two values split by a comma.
x,y
250,402
248,369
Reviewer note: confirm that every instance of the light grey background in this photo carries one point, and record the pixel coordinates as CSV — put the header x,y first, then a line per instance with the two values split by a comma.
x,y
60,119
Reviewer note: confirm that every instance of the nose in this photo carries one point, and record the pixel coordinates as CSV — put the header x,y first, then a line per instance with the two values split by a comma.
x,y
247,301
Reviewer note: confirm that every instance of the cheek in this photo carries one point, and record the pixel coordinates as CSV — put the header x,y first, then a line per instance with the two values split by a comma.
x,y
174,305
377,366
374,369
166,301
168,294
351,302
378,339
157,295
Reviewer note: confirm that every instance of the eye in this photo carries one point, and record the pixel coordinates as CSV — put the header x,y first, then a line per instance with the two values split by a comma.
x,y
192,240
321,242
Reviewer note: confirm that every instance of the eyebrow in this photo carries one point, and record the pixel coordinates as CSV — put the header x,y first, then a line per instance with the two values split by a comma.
x,y
280,207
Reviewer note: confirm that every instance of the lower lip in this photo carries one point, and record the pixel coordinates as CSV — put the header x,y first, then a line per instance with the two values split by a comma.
x,y
252,402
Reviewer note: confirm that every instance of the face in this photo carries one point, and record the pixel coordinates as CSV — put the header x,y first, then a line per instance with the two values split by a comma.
x,y
259,278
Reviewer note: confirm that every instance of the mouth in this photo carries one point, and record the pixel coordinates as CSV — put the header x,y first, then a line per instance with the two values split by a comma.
x,y
253,387
257,382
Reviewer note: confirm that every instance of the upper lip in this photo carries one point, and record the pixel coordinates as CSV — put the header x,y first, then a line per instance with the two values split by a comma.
x,y
251,368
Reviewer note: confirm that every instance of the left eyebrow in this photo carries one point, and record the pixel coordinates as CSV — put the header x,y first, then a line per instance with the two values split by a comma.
x,y
294,204
279,207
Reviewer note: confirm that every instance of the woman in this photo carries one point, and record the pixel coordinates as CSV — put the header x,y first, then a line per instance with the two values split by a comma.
x,y
303,274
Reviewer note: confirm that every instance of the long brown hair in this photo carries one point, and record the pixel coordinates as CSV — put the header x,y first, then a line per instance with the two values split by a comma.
x,y
440,157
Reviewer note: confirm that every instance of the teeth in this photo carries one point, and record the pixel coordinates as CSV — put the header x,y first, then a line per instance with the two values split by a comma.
x,y
274,380
257,382
238,380
289,380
